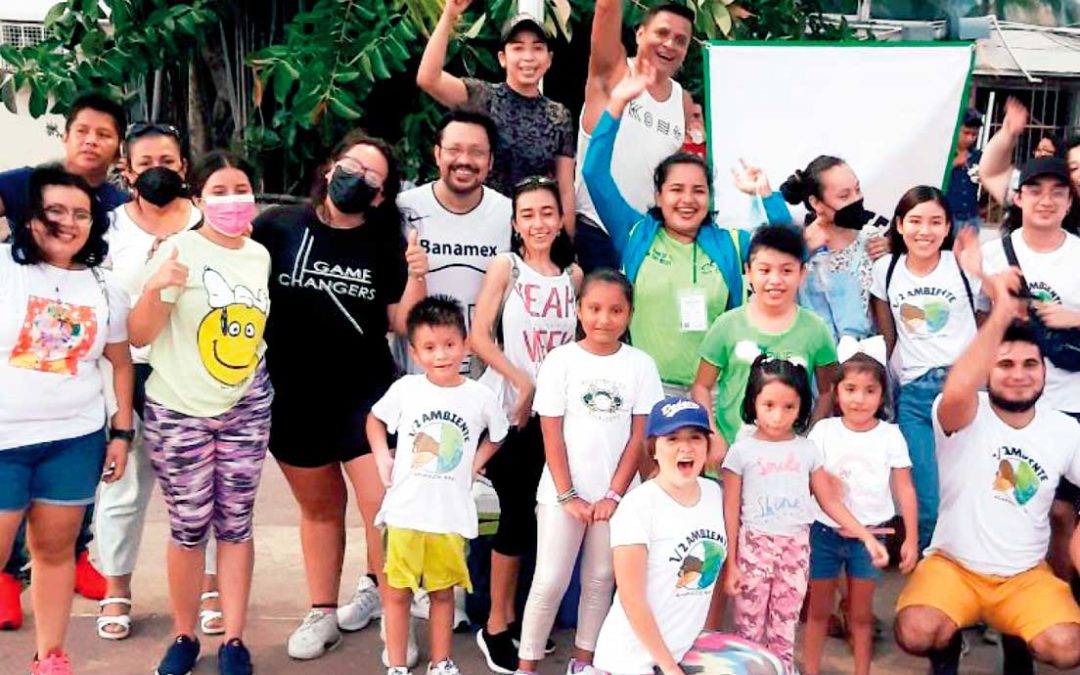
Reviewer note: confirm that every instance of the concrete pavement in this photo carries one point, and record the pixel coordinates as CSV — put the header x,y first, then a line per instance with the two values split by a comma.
x,y
279,601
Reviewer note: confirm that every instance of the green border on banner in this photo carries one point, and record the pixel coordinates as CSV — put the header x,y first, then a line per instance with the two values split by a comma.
x,y
959,120
845,43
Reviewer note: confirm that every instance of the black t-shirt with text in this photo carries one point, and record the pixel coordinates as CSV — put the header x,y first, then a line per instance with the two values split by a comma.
x,y
329,289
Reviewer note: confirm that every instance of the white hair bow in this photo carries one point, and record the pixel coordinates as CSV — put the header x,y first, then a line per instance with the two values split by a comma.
x,y
873,346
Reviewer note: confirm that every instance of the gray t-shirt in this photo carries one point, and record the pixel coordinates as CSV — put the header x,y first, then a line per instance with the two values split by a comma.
x,y
775,483
533,132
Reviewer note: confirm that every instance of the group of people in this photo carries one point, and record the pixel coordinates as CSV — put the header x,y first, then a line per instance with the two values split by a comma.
x,y
564,318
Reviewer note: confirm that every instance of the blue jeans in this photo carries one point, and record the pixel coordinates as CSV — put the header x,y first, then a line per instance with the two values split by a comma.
x,y
913,410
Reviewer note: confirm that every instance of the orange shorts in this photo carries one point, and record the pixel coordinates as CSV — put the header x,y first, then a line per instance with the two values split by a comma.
x,y
1024,605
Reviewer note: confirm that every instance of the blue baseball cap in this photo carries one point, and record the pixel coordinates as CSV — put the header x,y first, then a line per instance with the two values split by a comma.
x,y
674,413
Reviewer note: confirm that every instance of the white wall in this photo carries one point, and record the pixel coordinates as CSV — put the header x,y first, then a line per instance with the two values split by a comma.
x,y
25,140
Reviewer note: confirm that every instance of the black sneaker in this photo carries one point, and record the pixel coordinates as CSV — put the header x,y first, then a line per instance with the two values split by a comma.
x,y
514,629
234,659
499,651
180,658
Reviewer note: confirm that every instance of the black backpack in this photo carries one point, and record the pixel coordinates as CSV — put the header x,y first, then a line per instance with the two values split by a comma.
x,y
963,277
1060,345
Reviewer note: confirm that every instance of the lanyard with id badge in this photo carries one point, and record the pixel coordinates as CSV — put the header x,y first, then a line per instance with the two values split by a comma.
x,y
693,304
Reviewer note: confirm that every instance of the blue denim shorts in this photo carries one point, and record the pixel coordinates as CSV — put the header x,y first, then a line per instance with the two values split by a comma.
x,y
65,472
830,551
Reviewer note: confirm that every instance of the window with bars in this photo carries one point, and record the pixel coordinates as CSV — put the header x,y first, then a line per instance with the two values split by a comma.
x,y
20,34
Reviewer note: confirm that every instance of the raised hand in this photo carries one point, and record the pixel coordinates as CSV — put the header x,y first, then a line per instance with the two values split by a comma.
x,y
171,273
631,86
415,256
1016,116
455,8
751,180
968,253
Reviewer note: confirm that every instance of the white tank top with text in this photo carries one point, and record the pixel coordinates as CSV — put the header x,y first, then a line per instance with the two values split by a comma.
x,y
650,130
540,314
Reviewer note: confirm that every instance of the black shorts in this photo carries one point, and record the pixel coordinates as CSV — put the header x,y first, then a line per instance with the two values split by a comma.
x,y
315,433
514,472
594,247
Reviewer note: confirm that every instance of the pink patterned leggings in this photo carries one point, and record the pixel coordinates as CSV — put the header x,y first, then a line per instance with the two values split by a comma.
x,y
775,571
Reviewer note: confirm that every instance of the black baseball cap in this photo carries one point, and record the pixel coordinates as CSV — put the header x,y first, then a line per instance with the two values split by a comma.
x,y
973,119
520,22
1047,166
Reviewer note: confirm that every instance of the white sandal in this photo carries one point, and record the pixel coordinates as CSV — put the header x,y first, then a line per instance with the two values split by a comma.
x,y
123,621
206,616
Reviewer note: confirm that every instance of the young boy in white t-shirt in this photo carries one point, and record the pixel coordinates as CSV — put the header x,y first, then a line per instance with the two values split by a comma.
x,y
440,417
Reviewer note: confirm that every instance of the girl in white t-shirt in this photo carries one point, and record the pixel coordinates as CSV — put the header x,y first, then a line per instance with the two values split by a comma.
x,y
768,480
592,397
864,456
669,545
924,306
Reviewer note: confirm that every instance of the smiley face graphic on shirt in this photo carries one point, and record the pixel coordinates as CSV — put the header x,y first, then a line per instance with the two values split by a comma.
x,y
230,334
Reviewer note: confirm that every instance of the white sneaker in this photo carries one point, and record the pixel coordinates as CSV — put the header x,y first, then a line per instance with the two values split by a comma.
x,y
446,667
412,652
317,635
586,670
398,670
421,608
421,605
364,606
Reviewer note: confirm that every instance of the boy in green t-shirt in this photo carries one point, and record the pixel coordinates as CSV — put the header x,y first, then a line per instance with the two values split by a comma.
x,y
770,323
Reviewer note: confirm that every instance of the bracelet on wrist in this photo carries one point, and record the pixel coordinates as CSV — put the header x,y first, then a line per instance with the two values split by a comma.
x,y
566,496
613,496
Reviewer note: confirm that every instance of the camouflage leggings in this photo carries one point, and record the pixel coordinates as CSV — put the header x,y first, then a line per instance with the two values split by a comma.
x,y
209,467
775,571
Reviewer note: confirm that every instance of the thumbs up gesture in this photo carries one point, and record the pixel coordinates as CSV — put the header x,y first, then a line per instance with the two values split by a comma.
x,y
171,273
415,256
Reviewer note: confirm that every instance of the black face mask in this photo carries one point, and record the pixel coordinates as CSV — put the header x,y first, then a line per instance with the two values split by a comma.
x,y
350,193
160,185
853,216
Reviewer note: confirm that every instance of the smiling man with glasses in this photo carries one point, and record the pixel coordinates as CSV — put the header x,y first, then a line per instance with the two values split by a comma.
x,y
461,223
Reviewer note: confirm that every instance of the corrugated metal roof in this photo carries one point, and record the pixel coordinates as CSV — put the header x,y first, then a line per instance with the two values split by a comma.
x,y
1038,51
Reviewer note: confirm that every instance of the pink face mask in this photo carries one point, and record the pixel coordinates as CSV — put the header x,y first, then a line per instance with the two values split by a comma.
x,y
231,215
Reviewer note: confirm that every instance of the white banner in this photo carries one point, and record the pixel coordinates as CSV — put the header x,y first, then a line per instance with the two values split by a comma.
x,y
891,111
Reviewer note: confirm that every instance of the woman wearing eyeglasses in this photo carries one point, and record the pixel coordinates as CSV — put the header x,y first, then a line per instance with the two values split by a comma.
x,y
341,277
58,316
155,166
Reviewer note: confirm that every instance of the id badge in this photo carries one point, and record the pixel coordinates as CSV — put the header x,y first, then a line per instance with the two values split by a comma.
x,y
693,310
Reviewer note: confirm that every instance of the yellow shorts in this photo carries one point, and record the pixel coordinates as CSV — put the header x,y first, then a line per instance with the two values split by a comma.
x,y
1024,605
433,562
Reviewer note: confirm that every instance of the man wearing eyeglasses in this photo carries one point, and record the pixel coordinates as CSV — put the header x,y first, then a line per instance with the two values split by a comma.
x,y
92,132
461,223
